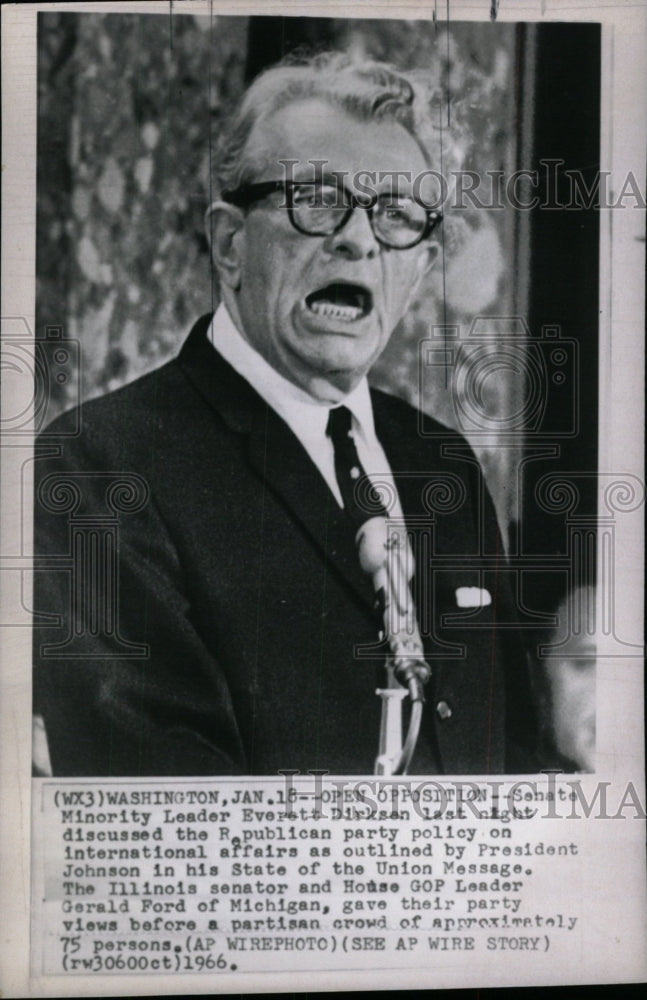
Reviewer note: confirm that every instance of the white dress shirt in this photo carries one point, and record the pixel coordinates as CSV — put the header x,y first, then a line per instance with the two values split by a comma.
x,y
306,417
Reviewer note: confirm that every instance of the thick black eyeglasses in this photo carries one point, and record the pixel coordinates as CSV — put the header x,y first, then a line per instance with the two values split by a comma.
x,y
321,209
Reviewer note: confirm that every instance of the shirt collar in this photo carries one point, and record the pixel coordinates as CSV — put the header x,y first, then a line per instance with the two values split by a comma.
x,y
288,400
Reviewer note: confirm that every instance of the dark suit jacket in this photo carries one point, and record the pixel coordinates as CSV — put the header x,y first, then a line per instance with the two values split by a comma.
x,y
209,616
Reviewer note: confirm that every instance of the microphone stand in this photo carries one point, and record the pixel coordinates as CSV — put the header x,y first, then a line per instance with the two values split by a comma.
x,y
383,555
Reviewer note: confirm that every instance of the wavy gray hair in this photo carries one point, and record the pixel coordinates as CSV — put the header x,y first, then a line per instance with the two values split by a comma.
x,y
366,90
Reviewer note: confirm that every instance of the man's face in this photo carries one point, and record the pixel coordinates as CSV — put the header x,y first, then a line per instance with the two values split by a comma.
x,y
572,687
286,278
571,682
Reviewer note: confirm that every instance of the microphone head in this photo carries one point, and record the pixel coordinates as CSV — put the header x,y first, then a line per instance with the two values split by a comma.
x,y
371,542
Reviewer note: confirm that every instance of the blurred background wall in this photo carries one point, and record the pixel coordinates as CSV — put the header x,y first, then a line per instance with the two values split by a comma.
x,y
130,109
125,108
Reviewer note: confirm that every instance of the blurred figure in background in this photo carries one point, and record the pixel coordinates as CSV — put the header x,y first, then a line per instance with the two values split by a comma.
x,y
566,683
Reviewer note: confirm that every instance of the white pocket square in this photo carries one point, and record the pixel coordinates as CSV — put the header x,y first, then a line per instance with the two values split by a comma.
x,y
473,597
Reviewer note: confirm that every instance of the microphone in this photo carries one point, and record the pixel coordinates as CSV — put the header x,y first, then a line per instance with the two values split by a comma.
x,y
386,556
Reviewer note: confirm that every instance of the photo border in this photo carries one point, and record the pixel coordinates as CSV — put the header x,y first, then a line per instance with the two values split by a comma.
x,y
620,696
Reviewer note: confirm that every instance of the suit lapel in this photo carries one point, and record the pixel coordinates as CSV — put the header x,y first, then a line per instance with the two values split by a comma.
x,y
282,462
397,431
277,456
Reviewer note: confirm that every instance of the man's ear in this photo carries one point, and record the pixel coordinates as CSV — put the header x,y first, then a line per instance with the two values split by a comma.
x,y
423,266
224,225
427,260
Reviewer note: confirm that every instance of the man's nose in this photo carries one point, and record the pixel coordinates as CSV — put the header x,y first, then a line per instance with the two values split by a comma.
x,y
355,239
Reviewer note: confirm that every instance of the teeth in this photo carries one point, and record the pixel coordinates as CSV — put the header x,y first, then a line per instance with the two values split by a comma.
x,y
336,312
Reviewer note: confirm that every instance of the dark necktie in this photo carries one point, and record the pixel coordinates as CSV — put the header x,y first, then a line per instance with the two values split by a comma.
x,y
361,499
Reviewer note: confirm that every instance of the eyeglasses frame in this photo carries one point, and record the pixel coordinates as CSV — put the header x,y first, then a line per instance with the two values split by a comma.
x,y
247,194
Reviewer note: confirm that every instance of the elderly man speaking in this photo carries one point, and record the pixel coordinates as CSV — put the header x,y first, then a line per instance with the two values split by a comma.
x,y
240,620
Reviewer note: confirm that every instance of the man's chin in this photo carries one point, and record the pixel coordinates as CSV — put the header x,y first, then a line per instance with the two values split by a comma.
x,y
330,378
324,352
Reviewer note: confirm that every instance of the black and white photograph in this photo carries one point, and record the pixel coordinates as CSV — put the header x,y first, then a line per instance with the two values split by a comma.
x,y
324,455
243,533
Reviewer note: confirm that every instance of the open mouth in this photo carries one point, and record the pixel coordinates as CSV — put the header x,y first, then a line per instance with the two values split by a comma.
x,y
340,301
